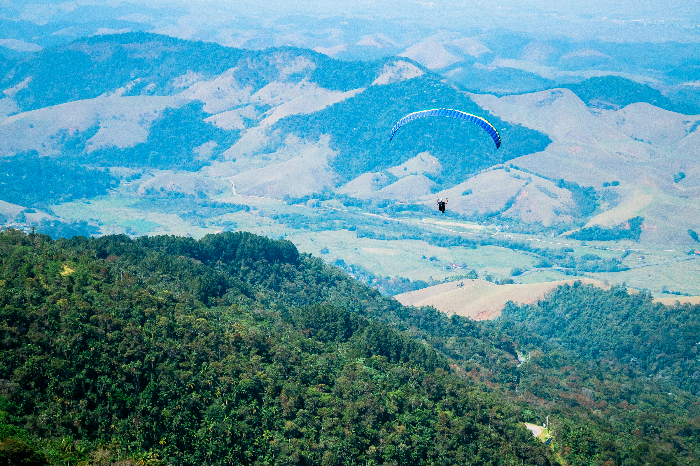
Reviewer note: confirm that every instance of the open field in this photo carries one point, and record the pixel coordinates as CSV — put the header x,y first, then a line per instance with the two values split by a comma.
x,y
479,299
400,246
675,274
679,300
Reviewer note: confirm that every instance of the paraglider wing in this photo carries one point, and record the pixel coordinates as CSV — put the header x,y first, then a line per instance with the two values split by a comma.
x,y
448,112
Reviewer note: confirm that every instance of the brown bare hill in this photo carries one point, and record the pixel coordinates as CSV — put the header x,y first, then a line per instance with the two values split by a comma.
x,y
648,151
514,193
480,299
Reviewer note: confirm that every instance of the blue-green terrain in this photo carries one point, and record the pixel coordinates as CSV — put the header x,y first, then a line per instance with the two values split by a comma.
x,y
199,246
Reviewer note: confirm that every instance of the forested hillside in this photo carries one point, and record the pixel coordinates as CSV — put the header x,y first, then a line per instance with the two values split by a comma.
x,y
236,349
29,180
618,92
627,364
93,66
359,129
172,351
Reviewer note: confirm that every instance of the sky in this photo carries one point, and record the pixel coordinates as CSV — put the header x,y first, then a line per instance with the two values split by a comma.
x,y
399,20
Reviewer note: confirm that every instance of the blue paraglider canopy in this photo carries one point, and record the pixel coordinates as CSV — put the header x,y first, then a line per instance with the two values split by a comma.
x,y
448,112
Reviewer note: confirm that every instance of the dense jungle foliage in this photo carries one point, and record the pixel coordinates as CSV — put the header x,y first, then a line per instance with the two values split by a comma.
x,y
236,349
230,350
628,365
581,321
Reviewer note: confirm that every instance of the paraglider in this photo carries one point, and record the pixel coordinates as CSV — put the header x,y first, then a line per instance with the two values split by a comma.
x,y
441,204
448,112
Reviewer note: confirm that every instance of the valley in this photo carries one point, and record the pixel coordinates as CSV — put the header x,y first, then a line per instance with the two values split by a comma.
x,y
391,245
290,144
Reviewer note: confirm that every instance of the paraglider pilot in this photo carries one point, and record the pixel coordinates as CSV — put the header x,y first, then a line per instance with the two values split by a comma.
x,y
441,204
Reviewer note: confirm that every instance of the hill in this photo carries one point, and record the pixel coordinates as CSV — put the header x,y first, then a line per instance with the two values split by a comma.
x,y
479,299
599,149
617,92
355,128
200,138
613,325
204,95
237,348
171,350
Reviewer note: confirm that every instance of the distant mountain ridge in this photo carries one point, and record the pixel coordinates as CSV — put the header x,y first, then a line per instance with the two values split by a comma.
x,y
239,90
94,66
615,92
189,128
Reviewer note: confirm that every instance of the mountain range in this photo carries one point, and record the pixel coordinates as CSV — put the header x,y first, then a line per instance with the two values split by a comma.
x,y
287,131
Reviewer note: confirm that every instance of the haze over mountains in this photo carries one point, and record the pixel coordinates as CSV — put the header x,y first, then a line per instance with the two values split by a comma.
x,y
484,45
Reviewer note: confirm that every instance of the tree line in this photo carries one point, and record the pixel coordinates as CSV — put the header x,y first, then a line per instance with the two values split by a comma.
x,y
237,349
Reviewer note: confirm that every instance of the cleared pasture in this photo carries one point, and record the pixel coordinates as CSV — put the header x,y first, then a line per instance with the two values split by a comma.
x,y
479,299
